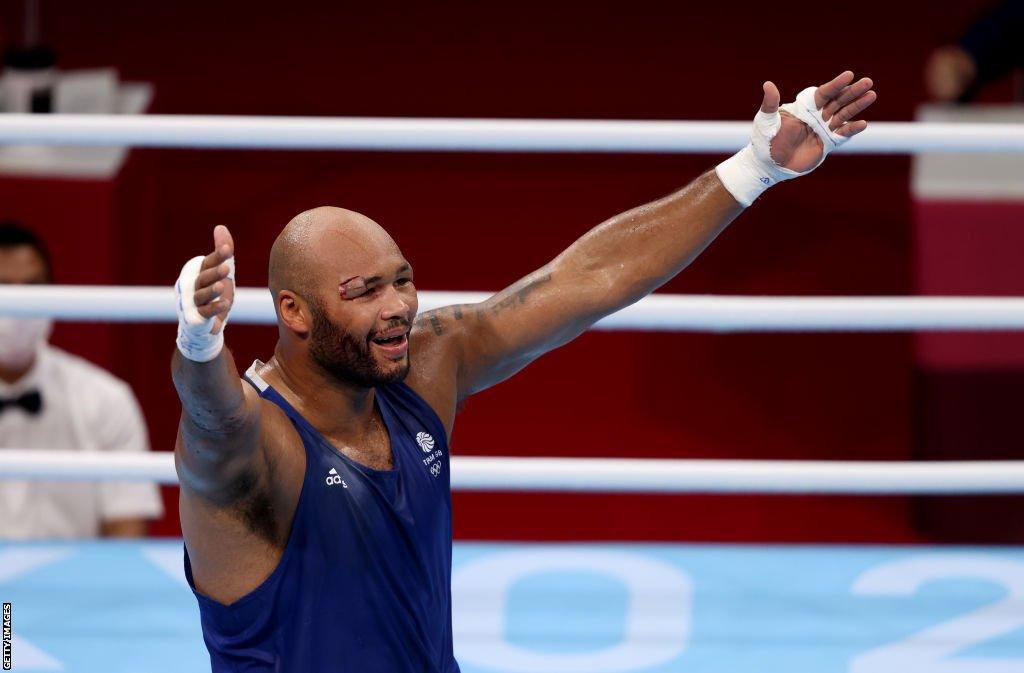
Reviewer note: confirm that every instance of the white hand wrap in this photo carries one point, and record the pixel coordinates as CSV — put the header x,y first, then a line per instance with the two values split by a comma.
x,y
752,170
196,339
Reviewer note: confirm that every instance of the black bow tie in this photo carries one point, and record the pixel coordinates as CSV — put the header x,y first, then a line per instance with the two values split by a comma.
x,y
32,402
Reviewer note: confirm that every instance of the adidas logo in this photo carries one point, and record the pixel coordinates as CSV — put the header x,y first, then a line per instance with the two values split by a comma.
x,y
333,479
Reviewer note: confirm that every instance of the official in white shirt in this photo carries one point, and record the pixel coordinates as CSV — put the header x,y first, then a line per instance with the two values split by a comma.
x,y
50,399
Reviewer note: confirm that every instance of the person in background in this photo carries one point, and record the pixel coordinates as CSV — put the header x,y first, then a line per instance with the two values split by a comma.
x,y
50,399
992,47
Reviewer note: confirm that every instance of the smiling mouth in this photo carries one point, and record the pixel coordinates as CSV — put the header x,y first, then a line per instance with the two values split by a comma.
x,y
390,341
393,347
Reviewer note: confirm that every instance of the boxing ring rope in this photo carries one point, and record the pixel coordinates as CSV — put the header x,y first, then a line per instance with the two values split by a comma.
x,y
656,312
703,313
472,135
659,312
607,475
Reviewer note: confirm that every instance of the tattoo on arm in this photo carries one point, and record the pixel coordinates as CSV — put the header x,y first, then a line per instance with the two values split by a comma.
x,y
517,296
434,317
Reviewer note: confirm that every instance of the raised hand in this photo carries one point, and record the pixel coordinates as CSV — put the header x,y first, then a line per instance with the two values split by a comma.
x,y
796,146
214,291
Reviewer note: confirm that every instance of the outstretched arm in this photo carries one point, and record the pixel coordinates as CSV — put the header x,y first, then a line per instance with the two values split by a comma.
x,y
608,268
632,254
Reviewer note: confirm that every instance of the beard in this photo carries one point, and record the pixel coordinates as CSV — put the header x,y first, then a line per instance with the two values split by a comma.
x,y
348,359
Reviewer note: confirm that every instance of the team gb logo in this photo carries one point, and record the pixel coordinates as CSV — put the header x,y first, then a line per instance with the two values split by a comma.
x,y
425,441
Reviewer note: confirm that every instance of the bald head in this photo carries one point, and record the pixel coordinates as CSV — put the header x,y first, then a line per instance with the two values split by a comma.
x,y
323,246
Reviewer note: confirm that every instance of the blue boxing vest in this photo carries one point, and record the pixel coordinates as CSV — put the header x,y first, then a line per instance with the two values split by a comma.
x,y
364,583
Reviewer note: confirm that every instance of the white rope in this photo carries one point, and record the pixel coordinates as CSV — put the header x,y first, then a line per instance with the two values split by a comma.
x,y
734,476
480,473
61,465
702,313
478,135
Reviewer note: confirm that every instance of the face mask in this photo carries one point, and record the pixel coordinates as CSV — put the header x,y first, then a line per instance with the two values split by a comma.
x,y
20,339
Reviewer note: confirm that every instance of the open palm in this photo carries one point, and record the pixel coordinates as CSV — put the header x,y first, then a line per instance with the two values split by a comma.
x,y
796,146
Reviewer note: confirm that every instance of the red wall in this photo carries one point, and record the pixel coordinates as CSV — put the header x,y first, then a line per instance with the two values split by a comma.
x,y
472,222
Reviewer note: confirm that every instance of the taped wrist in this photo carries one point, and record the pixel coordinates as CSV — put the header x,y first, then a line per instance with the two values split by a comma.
x,y
749,172
747,175
197,340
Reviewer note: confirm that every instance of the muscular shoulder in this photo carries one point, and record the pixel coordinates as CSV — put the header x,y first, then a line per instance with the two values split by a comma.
x,y
436,343
259,483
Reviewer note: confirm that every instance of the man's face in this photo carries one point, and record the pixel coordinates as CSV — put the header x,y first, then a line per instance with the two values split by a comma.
x,y
22,264
20,337
363,339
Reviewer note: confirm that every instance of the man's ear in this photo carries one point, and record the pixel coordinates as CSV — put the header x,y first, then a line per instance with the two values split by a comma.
x,y
295,313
